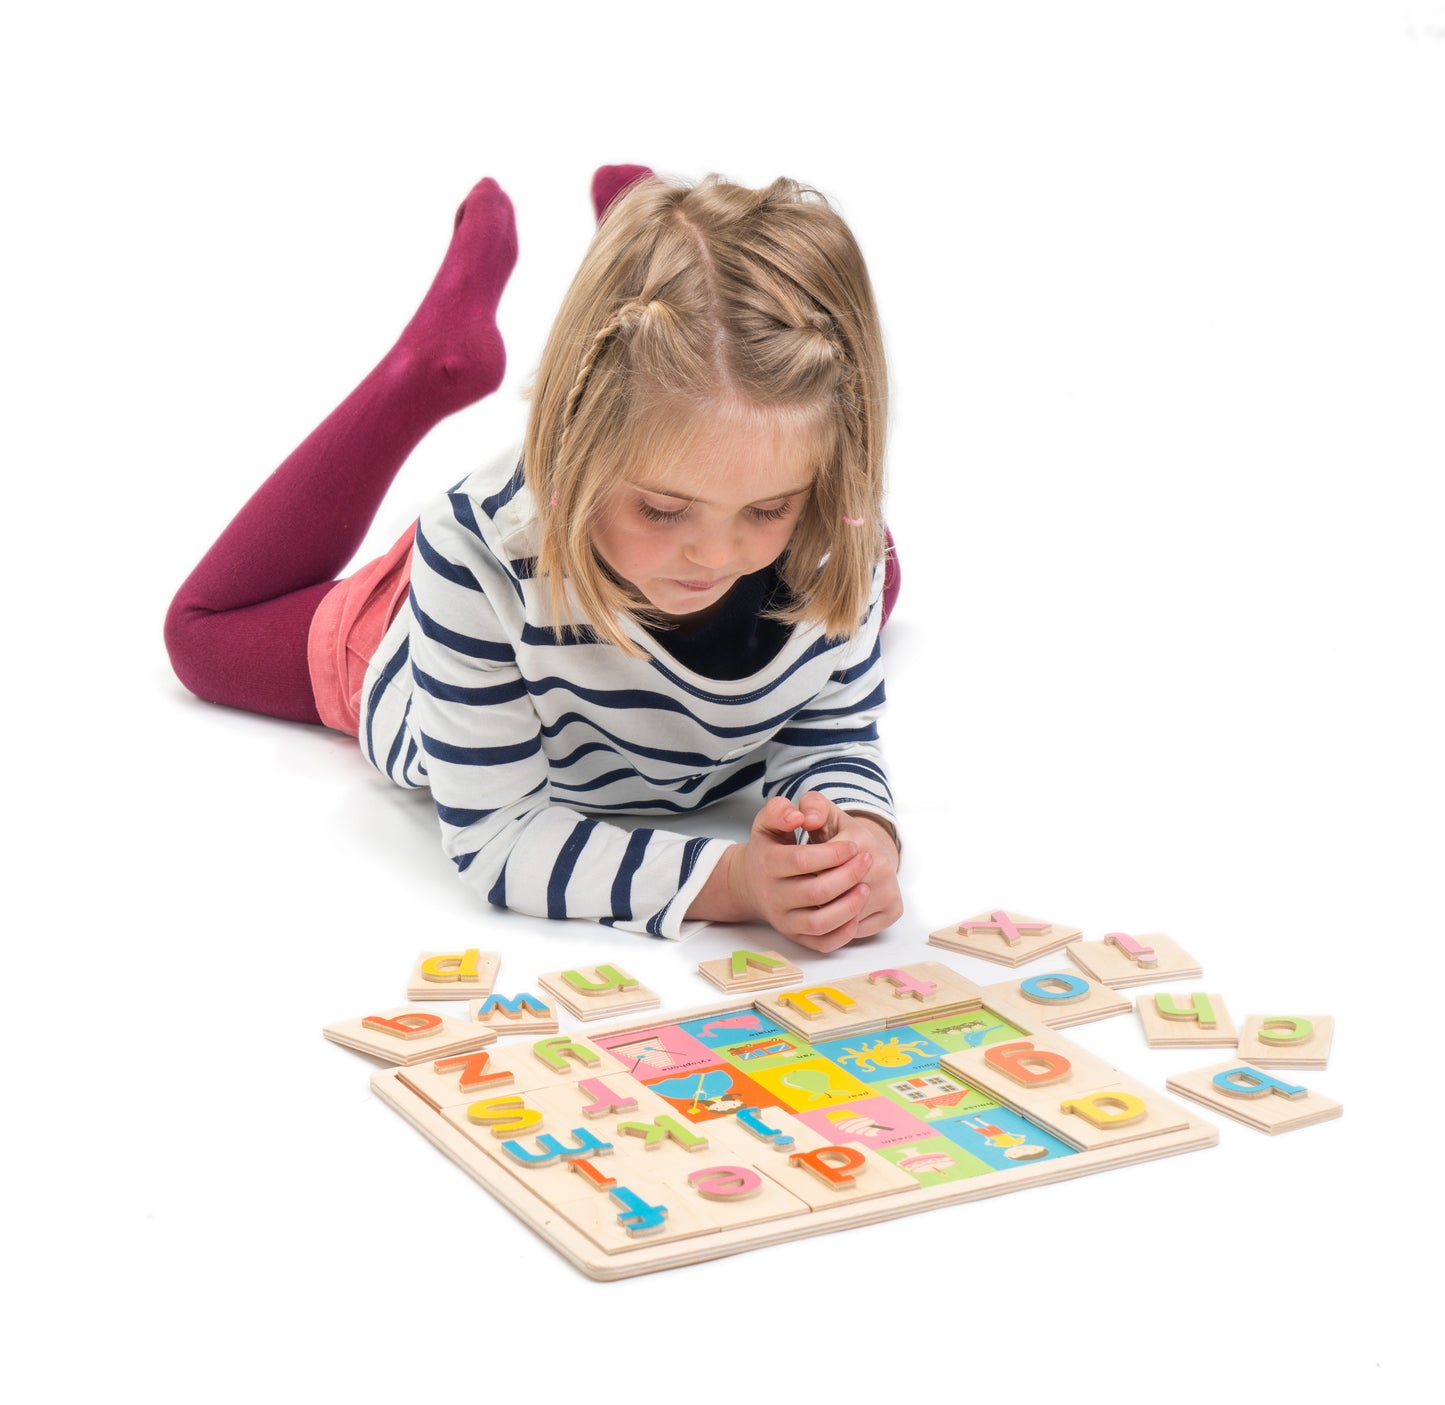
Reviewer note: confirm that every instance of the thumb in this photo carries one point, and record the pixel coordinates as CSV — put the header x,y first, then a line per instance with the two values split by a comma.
x,y
821,817
778,819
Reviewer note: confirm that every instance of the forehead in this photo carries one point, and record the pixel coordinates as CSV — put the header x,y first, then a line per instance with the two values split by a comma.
x,y
735,459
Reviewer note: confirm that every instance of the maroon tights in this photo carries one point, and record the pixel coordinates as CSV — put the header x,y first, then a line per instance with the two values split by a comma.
x,y
237,629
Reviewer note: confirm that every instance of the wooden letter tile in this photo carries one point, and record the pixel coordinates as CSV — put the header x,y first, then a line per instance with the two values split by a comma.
x,y
1186,1021
408,1036
453,975
1116,961
1287,1041
1059,999
1008,938
1267,1102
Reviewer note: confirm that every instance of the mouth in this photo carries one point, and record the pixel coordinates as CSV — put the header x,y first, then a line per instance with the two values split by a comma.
x,y
698,587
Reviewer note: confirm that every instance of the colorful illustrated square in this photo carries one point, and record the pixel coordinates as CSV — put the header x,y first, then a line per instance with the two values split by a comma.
x,y
886,1054
660,1051
732,1027
869,1122
969,1030
1002,1139
767,1051
935,1161
702,1094
934,1094
807,1084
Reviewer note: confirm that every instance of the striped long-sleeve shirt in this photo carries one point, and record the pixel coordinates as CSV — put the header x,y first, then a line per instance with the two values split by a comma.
x,y
518,729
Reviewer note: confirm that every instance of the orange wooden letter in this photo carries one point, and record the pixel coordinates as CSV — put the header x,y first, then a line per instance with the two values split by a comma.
x,y
833,1165
471,1066
410,1025
1025,1064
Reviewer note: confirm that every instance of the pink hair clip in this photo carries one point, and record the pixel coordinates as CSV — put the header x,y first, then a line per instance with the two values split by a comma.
x,y
852,521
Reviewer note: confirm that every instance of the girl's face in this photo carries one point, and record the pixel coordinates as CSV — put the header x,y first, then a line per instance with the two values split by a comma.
x,y
683,533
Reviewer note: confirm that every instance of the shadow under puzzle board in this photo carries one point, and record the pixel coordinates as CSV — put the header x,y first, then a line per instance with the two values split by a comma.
x,y
749,1133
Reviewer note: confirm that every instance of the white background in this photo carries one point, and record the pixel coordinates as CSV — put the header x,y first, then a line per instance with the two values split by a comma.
x,y
1164,298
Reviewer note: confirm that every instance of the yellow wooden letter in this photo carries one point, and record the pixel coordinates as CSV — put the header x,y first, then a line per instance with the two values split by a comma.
x,y
802,1002
506,1116
1106,1109
461,966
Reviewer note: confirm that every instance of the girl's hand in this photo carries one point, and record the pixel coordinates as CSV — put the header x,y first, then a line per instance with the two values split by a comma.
x,y
884,904
821,894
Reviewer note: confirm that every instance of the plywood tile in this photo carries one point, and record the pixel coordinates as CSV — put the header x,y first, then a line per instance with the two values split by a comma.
x,y
1006,938
1267,1102
1193,1020
1287,1041
445,1086
1059,999
406,1035
601,1216
1109,962
1109,1115
923,989
1055,1067
453,975
746,971
598,992
825,1010
523,1013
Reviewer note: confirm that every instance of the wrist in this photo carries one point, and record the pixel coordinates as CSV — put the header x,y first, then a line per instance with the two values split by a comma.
x,y
724,897
885,825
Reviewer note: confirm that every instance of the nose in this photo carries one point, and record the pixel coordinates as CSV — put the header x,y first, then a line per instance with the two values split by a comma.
x,y
713,550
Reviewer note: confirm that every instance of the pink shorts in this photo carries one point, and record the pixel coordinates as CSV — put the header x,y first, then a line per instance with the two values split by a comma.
x,y
347,629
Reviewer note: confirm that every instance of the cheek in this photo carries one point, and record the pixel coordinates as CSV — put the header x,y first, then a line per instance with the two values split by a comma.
x,y
772,538
629,548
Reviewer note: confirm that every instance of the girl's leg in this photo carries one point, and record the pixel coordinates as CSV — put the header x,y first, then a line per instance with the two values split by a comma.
x,y
237,629
608,182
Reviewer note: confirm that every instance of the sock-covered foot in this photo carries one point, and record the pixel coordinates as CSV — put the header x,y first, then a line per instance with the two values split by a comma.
x,y
608,182
452,343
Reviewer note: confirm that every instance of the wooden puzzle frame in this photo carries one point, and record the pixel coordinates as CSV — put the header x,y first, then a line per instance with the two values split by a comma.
x,y
510,1186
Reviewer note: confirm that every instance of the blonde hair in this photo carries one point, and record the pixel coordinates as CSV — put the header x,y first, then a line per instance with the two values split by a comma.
x,y
695,301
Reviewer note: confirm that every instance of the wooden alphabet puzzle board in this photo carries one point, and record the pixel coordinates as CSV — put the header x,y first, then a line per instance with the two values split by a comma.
x,y
673,1140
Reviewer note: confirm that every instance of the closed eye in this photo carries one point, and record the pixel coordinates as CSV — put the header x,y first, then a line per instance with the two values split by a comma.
x,y
676,514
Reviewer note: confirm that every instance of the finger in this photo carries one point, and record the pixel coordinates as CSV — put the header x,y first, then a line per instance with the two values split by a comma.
x,y
818,921
871,921
779,819
831,941
870,924
818,889
821,816
803,859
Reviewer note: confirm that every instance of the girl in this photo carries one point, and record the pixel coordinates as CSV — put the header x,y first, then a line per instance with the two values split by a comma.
x,y
675,592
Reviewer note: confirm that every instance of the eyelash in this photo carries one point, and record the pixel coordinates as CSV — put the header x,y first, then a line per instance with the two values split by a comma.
x,y
758,514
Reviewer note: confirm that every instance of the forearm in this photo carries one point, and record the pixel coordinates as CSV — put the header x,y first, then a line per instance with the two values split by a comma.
x,y
719,900
557,863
